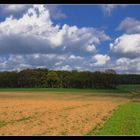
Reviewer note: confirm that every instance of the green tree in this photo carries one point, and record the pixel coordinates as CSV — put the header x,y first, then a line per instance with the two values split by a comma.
x,y
52,79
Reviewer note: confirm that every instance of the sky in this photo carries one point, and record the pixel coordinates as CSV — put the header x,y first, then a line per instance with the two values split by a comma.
x,y
70,37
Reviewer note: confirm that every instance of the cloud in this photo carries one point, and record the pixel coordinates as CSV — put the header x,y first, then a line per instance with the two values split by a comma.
x,y
127,45
53,61
127,65
55,11
130,25
108,8
14,7
125,50
35,32
91,48
33,40
122,61
17,10
100,59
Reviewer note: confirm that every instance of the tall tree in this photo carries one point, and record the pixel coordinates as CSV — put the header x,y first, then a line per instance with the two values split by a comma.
x,y
52,79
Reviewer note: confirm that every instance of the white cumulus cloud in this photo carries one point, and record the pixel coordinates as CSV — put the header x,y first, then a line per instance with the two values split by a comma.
x,y
130,25
127,45
33,40
128,65
101,59
17,10
36,33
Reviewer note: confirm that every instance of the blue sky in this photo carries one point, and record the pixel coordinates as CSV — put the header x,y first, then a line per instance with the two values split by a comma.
x,y
66,37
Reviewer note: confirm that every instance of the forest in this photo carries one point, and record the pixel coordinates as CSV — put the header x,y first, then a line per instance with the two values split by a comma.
x,y
45,78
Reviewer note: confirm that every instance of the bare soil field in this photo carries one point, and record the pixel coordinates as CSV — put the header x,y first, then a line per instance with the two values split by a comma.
x,y
38,113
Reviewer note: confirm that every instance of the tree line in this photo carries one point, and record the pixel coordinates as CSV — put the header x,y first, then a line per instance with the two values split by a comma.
x,y
44,78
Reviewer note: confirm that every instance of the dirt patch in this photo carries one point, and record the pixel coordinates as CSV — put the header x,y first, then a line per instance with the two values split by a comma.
x,y
53,116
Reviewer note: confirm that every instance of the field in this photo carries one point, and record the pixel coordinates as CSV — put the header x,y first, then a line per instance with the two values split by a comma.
x,y
67,112
129,122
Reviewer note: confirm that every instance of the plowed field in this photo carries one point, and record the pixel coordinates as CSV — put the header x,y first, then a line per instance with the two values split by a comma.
x,y
54,113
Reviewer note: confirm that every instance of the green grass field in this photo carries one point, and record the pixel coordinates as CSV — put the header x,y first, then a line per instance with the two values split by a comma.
x,y
128,88
128,91
62,90
119,89
124,121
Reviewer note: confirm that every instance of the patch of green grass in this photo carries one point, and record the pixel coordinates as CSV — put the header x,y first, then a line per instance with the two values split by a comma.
x,y
64,132
128,88
124,121
24,119
2,123
127,91
69,108
119,89
74,107
64,90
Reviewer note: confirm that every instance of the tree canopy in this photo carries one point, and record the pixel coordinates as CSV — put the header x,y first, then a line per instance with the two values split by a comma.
x,y
37,78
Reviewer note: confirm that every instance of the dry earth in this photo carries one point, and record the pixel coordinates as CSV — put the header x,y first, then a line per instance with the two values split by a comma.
x,y
54,113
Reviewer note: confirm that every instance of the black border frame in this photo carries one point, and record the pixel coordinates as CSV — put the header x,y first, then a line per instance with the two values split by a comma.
x,y
70,2
79,2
